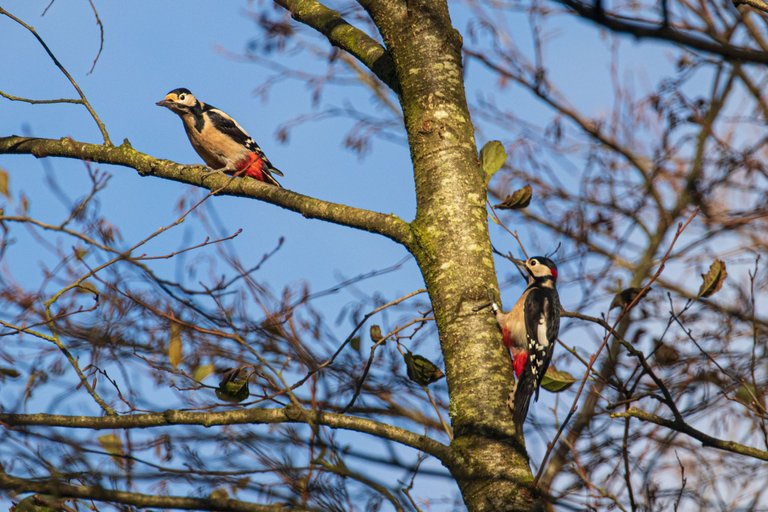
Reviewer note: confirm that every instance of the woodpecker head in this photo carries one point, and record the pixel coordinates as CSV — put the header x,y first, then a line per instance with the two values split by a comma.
x,y
179,100
539,268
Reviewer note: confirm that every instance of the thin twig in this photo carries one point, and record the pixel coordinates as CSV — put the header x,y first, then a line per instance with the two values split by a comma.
x,y
680,228
61,67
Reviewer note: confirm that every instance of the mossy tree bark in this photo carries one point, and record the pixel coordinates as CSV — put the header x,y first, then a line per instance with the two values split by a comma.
x,y
454,252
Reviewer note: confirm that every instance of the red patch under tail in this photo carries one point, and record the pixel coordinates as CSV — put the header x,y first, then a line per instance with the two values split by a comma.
x,y
252,166
518,362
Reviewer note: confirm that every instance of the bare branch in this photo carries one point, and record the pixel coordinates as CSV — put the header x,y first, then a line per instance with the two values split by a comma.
x,y
61,67
685,428
664,32
63,489
290,414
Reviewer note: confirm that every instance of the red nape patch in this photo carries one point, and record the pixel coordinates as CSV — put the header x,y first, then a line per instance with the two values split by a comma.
x,y
252,166
554,274
518,362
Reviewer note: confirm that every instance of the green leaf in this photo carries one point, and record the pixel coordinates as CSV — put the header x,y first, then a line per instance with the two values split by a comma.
x,y
518,199
234,386
492,157
750,396
355,343
713,280
11,373
174,345
80,253
375,332
555,381
421,370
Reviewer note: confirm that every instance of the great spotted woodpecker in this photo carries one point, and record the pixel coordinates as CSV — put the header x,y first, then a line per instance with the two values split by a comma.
x,y
530,329
218,139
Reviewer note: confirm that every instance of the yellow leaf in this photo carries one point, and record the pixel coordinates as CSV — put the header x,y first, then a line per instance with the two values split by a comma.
x,y
4,183
88,287
555,381
713,280
113,445
219,494
518,199
174,345
202,371
492,157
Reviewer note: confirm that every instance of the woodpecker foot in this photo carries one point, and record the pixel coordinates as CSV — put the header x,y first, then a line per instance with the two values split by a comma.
x,y
483,306
222,170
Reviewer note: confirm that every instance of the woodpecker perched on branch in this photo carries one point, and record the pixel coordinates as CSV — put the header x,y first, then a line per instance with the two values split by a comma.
x,y
530,330
218,139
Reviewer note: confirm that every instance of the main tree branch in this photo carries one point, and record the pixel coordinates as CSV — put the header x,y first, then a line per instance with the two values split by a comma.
x,y
342,34
290,414
88,492
390,225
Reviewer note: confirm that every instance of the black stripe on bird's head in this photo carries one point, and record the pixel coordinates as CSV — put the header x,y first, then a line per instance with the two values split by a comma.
x,y
179,100
539,267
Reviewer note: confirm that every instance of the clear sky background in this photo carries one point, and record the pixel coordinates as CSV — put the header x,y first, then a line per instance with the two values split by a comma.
x,y
151,47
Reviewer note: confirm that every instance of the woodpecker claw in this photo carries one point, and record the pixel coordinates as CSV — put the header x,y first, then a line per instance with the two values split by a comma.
x,y
483,306
221,170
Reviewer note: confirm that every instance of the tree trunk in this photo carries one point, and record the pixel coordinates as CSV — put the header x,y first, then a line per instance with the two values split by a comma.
x,y
454,253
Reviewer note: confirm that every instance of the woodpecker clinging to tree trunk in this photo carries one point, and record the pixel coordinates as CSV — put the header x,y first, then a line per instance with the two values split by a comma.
x,y
218,139
530,330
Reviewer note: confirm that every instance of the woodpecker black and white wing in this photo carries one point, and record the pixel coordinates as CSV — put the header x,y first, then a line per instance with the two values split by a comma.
x,y
542,325
227,125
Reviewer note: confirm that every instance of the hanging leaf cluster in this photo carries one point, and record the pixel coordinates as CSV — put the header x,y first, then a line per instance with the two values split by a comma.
x,y
234,385
555,381
421,370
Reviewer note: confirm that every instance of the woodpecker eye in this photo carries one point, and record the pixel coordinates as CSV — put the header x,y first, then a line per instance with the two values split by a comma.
x,y
533,263
182,97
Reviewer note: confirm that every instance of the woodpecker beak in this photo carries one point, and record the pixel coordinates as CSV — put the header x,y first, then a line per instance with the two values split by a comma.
x,y
163,103
520,264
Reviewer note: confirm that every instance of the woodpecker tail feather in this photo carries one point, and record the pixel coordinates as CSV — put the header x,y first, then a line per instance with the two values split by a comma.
x,y
526,387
